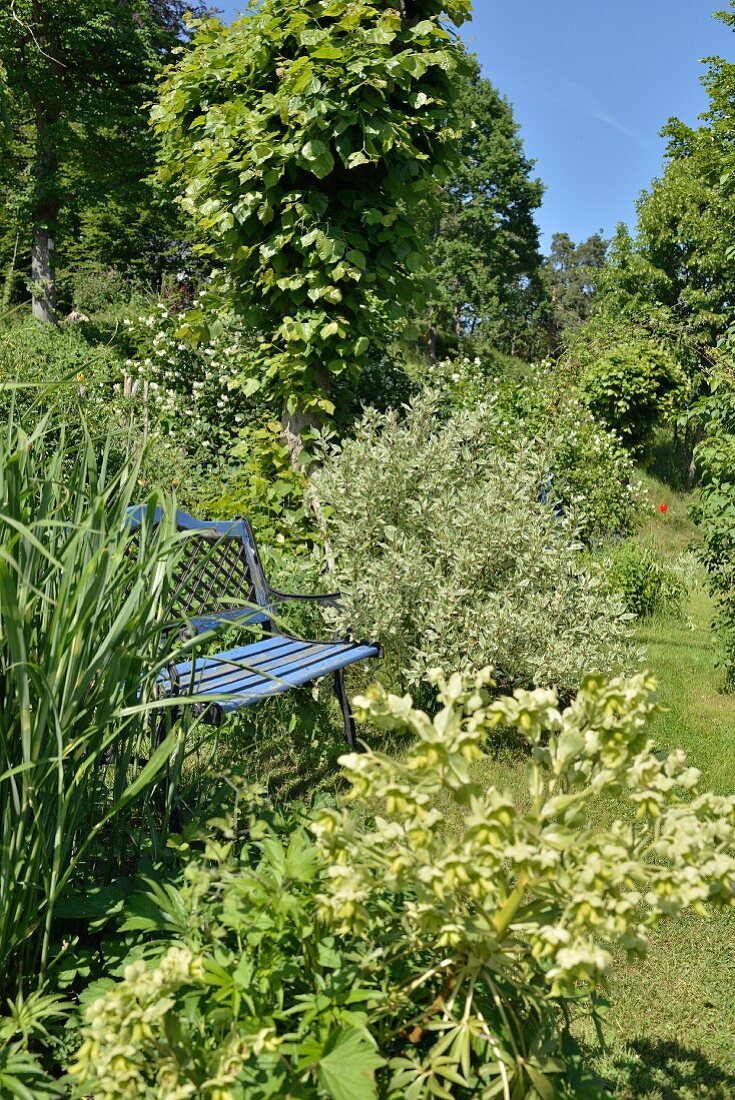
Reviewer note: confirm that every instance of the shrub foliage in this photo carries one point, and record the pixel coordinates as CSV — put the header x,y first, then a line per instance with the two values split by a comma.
x,y
645,583
444,551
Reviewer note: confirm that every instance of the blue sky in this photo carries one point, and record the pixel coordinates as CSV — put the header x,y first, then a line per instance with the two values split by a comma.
x,y
592,82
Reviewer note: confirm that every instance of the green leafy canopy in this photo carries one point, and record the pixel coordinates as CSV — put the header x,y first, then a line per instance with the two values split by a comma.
x,y
301,140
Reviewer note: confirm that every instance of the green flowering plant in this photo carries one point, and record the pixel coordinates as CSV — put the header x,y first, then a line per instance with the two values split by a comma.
x,y
440,948
530,894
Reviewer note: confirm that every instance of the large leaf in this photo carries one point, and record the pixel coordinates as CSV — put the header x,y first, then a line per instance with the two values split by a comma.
x,y
347,1071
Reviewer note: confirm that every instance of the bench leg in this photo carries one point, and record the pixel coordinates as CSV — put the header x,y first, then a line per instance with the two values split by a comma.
x,y
339,691
167,719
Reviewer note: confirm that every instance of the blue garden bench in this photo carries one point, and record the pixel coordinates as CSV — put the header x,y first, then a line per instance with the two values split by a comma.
x,y
219,583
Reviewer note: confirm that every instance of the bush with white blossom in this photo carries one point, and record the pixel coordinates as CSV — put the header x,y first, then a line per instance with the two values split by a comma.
x,y
444,551
195,392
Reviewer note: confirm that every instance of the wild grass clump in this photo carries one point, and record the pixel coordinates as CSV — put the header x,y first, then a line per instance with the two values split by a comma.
x,y
81,646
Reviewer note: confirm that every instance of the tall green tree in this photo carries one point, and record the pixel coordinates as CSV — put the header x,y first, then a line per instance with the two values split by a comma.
x,y
673,282
303,140
678,268
573,272
78,75
485,241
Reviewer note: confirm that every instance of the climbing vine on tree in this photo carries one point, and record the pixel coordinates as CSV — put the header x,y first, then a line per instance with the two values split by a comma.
x,y
302,140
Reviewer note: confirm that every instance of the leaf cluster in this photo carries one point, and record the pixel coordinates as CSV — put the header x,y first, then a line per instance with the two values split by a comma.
x,y
445,551
300,139
714,511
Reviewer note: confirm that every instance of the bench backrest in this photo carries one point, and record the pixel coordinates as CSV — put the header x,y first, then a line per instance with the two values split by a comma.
x,y
219,570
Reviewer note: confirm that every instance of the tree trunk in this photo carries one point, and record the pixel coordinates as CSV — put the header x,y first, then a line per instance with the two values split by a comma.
x,y
692,470
432,342
45,206
293,425
44,215
297,421
43,275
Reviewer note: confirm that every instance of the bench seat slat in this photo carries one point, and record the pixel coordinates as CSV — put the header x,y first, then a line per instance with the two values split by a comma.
x,y
254,655
240,616
232,672
268,667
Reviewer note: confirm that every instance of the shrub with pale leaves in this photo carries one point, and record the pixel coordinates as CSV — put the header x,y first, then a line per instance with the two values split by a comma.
x,y
446,554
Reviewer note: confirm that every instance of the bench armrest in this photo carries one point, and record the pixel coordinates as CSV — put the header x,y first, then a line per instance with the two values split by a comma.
x,y
329,599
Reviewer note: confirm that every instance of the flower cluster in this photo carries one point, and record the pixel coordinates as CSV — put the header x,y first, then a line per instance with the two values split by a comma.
x,y
122,1022
193,389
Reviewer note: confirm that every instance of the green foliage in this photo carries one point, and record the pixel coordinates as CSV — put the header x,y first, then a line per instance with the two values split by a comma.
x,y
444,552
73,377
715,509
673,280
24,1028
627,383
94,287
592,473
80,648
485,242
262,484
43,370
443,947
255,997
645,584
573,272
80,155
587,469
300,139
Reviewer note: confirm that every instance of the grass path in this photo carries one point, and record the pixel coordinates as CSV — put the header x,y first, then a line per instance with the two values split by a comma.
x,y
671,1026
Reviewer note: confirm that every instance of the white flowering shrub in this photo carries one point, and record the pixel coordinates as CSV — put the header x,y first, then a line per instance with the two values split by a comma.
x,y
208,419
194,392
443,946
445,553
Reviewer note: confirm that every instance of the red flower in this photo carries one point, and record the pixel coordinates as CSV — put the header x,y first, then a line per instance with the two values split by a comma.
x,y
663,508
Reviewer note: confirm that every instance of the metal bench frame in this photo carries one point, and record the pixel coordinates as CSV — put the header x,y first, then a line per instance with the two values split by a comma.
x,y
220,583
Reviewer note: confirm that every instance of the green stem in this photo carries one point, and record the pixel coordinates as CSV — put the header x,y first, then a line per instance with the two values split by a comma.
x,y
503,919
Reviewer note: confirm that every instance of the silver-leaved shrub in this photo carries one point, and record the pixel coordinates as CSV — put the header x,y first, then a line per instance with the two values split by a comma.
x,y
442,946
445,552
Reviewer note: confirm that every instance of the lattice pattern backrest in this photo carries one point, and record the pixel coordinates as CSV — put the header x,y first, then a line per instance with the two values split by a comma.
x,y
213,576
